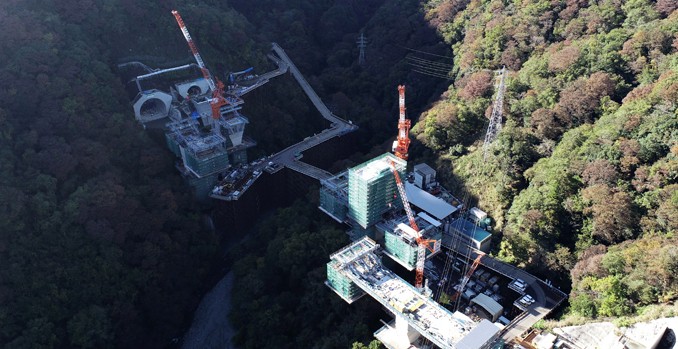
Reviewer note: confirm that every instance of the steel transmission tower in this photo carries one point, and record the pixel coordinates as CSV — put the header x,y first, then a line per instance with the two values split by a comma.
x,y
362,42
494,127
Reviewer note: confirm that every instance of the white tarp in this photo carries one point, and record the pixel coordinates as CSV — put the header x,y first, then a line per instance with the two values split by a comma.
x,y
478,336
429,219
435,206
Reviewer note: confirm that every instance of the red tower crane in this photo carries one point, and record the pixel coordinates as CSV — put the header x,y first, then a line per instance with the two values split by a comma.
x,y
467,277
400,148
217,87
402,143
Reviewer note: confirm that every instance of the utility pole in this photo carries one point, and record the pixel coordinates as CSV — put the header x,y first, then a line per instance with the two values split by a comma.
x,y
362,43
494,127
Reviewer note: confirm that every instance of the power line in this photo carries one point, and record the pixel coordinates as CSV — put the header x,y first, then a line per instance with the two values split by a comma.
x,y
427,67
444,71
432,74
426,61
424,52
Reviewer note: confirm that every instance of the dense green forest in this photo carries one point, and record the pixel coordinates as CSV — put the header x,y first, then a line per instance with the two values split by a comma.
x,y
101,245
585,171
281,300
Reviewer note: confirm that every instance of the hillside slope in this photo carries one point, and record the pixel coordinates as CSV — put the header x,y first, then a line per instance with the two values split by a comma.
x,y
587,161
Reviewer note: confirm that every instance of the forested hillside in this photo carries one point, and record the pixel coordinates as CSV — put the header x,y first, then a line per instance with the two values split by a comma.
x,y
583,177
100,244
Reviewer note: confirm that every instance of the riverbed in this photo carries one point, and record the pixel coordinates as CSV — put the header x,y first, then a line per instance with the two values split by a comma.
x,y
211,327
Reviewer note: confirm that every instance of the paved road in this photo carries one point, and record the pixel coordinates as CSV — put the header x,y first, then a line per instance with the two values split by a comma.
x,y
288,156
317,102
263,78
339,127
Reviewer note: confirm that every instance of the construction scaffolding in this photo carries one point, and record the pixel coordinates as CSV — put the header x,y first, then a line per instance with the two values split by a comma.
x,y
417,317
337,279
204,155
334,196
372,189
400,241
343,286
178,132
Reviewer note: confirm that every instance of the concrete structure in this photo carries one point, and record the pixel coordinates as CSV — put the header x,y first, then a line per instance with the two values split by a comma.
x,y
206,145
372,189
204,155
424,175
646,335
151,105
469,234
417,317
192,88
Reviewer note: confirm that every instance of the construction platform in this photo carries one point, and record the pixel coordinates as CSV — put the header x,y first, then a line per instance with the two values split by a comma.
x,y
356,270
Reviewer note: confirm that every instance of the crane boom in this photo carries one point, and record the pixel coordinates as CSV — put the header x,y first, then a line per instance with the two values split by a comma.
x,y
422,244
217,87
194,50
403,196
467,277
400,148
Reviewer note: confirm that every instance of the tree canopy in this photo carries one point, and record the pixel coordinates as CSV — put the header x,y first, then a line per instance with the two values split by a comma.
x,y
589,150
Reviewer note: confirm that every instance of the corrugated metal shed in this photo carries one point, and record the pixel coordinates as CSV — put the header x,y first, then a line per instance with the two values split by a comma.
x,y
433,205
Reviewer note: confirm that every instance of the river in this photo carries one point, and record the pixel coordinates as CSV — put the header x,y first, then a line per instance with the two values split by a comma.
x,y
211,327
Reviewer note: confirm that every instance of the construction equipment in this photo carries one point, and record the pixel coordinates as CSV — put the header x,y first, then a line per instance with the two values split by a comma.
x,y
467,277
402,143
400,148
422,244
233,77
217,86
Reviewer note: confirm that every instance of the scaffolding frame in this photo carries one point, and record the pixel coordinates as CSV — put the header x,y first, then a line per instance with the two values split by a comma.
x,y
372,189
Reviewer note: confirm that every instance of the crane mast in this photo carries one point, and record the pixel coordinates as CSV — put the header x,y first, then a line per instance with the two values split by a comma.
x,y
217,88
402,143
400,148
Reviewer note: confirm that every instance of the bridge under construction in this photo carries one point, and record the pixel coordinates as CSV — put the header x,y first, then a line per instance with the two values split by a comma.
x,y
370,199
206,128
356,270
206,132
